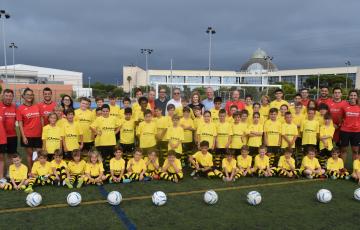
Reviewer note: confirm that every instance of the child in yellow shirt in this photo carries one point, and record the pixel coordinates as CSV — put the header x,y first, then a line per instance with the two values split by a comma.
x,y
189,127
18,174
75,170
286,165
310,166
335,166
238,137
171,169
262,164
223,139
152,165
244,162
147,132
127,134
58,167
202,163
229,170
94,170
136,167
327,131
356,170
52,136
255,133
117,167
41,173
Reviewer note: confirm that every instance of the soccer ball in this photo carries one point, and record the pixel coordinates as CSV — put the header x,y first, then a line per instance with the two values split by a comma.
x,y
33,199
114,198
159,198
254,198
210,197
324,196
357,194
73,199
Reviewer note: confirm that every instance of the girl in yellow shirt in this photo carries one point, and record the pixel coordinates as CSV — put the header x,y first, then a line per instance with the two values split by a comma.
x,y
335,166
75,170
94,170
52,136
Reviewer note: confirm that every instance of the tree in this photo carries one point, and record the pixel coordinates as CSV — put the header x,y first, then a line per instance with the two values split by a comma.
x,y
288,88
329,80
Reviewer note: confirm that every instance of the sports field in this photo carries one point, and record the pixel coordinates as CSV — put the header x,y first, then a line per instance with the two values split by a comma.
x,y
287,204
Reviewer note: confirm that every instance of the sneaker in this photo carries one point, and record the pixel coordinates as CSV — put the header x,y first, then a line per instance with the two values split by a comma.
x,y
126,181
309,177
80,183
333,177
68,184
193,173
147,178
347,177
28,189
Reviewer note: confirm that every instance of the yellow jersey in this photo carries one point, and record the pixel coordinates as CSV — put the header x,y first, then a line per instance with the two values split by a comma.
x,y
94,170
327,131
287,165
18,173
147,134
250,109
85,118
204,160
52,135
214,115
257,140
264,112
334,165
117,165
162,124
127,131
171,169
175,135
77,168
207,132
278,104
244,162
115,111
290,131
60,123
56,165
310,163
238,135
272,129
198,121
41,170
228,166
356,165
136,166
310,130
107,126
150,165
298,120
71,133
261,162
188,134
224,132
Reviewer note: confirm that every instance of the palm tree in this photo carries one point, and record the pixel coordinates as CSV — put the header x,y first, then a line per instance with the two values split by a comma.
x,y
129,81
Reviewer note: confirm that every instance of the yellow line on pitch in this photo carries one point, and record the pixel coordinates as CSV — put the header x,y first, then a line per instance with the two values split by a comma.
x,y
26,209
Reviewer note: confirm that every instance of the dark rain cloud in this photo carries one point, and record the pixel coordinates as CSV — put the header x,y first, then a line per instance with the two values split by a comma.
x,y
99,37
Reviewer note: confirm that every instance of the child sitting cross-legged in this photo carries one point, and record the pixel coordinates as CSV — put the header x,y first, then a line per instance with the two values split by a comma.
x,y
335,166
172,169
94,171
75,170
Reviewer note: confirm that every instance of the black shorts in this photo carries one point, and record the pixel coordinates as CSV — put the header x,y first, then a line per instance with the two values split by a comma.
x,y
128,148
106,151
33,142
325,153
88,146
3,148
349,137
11,146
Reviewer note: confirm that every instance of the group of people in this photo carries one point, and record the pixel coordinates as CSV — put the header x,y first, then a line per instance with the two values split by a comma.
x,y
156,138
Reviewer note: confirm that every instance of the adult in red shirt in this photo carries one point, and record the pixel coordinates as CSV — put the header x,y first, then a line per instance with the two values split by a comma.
x,y
3,140
350,127
29,118
336,106
324,96
235,100
304,97
47,106
9,120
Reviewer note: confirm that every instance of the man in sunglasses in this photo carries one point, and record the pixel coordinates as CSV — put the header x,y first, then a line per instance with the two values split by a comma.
x,y
176,98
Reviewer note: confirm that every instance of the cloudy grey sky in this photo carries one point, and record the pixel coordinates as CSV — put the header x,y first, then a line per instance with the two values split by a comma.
x,y
99,37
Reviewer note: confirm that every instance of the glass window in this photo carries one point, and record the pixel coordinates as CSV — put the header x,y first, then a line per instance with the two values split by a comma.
x,y
156,78
289,79
229,80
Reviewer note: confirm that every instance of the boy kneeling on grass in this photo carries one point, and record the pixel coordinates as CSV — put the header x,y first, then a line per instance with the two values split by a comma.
x,y
262,164
202,163
18,175
286,165
335,166
172,169
310,166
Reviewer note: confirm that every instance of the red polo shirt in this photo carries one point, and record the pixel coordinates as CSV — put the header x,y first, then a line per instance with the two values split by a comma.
x,y
45,110
30,116
3,137
351,118
239,104
326,101
9,118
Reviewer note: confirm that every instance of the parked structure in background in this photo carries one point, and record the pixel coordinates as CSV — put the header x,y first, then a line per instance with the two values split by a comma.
x,y
259,69
37,78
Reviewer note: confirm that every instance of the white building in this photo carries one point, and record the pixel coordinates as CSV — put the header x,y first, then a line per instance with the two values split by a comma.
x,y
256,70
27,74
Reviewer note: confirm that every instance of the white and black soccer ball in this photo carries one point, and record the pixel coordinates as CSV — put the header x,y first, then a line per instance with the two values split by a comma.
x,y
159,198
253,198
73,199
210,197
324,196
357,194
33,199
114,198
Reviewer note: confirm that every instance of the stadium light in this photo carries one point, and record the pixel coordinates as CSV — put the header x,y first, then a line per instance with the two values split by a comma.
x,y
210,31
13,46
146,52
348,64
3,16
268,59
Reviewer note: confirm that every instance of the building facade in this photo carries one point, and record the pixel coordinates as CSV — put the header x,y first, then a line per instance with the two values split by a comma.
x,y
259,69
